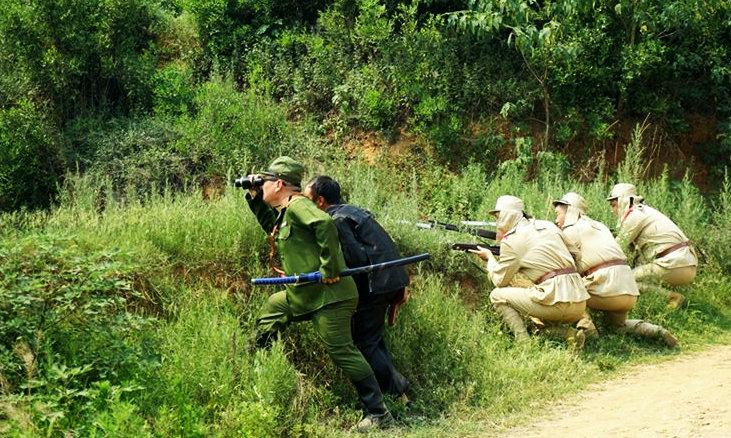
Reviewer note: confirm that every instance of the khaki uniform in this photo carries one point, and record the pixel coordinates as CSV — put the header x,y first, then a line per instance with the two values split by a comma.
x,y
651,233
613,288
607,278
531,249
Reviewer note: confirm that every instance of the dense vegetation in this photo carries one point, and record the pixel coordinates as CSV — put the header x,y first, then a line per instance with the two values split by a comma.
x,y
125,308
134,88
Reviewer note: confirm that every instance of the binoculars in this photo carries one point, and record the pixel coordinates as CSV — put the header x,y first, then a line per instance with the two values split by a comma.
x,y
249,182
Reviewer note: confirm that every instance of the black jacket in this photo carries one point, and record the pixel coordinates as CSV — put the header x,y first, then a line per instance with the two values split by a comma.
x,y
365,242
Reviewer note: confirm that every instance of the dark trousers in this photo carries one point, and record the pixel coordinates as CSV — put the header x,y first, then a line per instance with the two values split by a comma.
x,y
368,328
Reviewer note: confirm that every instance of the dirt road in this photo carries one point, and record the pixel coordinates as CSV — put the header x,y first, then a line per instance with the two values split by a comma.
x,y
687,397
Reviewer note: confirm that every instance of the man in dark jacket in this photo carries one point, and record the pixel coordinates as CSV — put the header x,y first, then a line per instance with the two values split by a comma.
x,y
365,242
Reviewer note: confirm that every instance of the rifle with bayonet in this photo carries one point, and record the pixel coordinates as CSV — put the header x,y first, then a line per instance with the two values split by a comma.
x,y
467,227
316,276
494,249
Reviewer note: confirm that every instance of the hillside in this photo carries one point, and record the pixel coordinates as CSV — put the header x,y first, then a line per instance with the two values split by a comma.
x,y
126,253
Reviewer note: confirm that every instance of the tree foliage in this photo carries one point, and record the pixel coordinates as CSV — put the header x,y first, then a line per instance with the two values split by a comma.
x,y
563,72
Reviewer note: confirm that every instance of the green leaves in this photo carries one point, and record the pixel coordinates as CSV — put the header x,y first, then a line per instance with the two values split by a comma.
x,y
64,314
30,159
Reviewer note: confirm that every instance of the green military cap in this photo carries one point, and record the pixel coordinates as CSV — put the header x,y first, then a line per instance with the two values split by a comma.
x,y
287,169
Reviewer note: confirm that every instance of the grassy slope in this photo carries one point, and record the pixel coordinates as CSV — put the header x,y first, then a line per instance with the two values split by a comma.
x,y
192,261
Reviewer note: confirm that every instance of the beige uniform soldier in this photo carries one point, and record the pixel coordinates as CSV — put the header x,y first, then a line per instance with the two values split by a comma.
x,y
603,266
536,250
668,254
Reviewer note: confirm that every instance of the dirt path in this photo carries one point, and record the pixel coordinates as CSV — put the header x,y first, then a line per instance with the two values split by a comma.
x,y
688,397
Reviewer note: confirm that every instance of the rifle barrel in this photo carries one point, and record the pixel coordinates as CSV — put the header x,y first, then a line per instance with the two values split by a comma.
x,y
467,227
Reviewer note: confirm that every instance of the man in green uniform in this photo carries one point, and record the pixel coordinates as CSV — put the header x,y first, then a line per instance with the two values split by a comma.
x,y
306,240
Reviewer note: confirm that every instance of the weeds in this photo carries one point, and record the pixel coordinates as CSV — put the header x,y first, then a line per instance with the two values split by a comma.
x,y
82,354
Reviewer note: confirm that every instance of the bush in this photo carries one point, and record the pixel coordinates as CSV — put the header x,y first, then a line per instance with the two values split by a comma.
x,y
81,55
30,158
69,335
135,155
716,240
235,131
173,91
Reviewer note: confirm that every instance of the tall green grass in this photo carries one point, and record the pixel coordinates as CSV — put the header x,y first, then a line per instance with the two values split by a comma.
x,y
188,260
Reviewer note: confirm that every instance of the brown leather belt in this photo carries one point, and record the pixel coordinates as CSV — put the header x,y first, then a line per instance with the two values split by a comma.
x,y
677,246
549,275
593,269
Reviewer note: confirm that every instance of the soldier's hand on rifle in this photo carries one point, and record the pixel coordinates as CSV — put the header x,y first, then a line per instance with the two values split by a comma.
x,y
482,253
331,280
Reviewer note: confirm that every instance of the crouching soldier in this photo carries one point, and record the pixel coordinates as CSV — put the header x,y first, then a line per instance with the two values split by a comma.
x,y
306,240
604,269
668,254
365,242
536,250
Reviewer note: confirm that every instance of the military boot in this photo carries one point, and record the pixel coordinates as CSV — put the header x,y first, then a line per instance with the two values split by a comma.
x,y
587,325
575,338
645,329
513,320
262,341
376,415
675,300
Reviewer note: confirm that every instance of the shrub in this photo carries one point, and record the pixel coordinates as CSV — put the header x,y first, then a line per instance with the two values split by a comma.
x,y
234,130
30,158
69,335
135,155
173,91
80,55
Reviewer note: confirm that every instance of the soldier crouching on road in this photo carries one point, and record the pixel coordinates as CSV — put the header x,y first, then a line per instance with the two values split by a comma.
x,y
306,240
536,250
669,256
603,267
365,242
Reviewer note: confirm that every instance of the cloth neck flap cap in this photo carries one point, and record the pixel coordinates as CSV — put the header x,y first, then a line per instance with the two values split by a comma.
x,y
575,207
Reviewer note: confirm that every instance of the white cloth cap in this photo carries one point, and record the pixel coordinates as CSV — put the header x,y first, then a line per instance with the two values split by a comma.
x,y
508,202
622,189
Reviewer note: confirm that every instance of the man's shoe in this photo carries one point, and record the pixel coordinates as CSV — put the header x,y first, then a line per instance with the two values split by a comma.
x,y
405,400
375,421
376,412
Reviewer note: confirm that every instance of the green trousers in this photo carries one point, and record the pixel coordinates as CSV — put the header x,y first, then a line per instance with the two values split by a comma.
x,y
332,325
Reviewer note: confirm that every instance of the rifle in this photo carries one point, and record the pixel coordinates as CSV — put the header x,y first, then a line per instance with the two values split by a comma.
x,y
467,227
494,249
316,277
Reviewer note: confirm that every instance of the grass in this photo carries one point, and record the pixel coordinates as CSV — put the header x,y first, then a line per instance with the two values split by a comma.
x,y
190,260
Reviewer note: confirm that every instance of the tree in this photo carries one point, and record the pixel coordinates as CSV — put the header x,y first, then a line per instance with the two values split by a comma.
x,y
536,30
